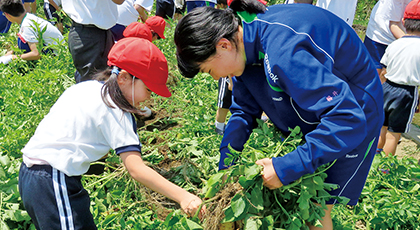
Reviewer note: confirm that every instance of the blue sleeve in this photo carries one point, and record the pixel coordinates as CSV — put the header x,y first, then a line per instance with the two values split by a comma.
x,y
305,72
244,111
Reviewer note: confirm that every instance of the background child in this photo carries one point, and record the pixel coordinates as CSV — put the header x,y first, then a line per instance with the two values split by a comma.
x,y
402,74
384,27
86,121
28,32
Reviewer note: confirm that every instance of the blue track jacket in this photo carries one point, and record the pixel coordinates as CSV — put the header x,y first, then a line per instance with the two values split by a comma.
x,y
305,67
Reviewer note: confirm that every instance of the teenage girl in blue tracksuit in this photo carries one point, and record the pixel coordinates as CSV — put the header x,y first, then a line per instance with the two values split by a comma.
x,y
302,66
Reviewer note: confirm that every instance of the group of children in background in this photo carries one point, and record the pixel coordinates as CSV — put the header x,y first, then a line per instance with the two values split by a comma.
x,y
283,65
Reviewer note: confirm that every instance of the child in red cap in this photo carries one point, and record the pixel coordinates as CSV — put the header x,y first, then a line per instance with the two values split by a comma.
x,y
157,25
139,30
401,77
88,120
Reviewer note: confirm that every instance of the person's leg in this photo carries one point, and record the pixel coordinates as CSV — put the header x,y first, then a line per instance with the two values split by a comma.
x,y
27,6
391,143
326,220
165,8
89,47
224,101
54,200
221,114
382,137
33,7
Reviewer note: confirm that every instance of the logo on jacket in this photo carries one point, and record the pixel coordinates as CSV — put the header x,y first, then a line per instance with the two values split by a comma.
x,y
273,77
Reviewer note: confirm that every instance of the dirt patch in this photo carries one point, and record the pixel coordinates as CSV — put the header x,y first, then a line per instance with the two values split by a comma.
x,y
408,148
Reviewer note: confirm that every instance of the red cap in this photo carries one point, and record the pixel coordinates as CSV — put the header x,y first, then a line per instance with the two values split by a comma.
x,y
262,1
412,11
137,29
157,24
142,59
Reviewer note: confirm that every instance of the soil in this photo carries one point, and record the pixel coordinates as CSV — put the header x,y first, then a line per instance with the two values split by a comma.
x,y
408,148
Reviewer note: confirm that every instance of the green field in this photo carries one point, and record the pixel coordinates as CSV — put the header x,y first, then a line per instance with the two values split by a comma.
x,y
180,143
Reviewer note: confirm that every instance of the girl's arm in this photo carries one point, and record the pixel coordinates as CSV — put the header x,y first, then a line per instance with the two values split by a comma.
x,y
397,29
142,12
153,180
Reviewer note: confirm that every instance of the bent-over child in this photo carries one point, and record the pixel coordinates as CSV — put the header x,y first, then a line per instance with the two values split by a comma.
x,y
88,120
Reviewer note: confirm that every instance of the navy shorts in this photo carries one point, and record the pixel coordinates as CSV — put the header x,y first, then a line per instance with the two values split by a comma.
x,y
350,171
28,1
165,8
400,103
54,200
376,51
117,31
224,97
194,4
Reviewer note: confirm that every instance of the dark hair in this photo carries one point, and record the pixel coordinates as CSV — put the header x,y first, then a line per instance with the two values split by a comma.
x,y
12,7
112,89
412,25
198,32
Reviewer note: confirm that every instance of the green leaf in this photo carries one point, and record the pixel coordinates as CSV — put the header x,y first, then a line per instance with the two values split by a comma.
x,y
4,160
267,223
252,171
229,215
252,222
239,205
110,218
191,224
3,225
257,198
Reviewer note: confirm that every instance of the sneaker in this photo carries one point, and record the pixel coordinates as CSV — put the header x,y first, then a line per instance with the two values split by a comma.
x,y
220,131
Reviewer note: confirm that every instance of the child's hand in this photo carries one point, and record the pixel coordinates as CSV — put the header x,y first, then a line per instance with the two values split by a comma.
x,y
191,204
270,178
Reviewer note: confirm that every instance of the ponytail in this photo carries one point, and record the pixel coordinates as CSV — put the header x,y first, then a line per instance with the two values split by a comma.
x,y
112,90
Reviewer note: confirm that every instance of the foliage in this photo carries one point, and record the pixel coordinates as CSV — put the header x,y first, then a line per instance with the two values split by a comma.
x,y
289,207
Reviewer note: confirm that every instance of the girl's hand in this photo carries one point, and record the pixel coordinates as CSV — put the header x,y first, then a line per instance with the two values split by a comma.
x,y
270,178
191,204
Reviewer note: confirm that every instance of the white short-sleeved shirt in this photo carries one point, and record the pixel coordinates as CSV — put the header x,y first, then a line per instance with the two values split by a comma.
x,y
146,4
80,129
127,13
383,12
402,58
101,13
345,9
28,33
